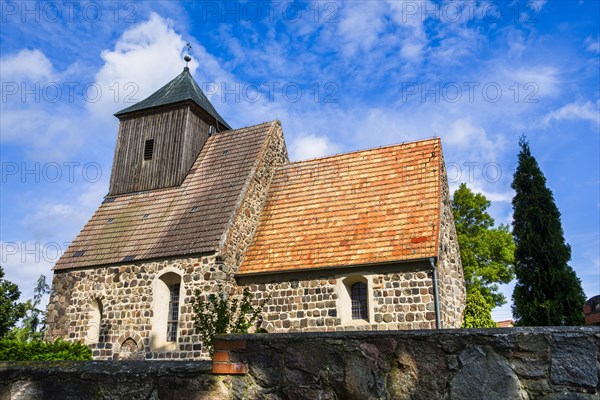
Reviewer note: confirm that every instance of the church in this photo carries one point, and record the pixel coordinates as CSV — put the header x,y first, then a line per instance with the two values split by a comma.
x,y
357,241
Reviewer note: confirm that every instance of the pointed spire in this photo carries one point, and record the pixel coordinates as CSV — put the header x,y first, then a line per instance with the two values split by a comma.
x,y
182,88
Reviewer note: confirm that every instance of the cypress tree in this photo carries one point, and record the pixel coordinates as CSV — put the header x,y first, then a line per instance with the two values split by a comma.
x,y
547,292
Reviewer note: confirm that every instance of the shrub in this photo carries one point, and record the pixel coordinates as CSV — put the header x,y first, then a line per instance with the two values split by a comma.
x,y
15,350
218,316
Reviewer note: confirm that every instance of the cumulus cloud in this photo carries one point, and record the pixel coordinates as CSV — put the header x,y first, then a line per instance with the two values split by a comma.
x,y
311,146
27,65
145,57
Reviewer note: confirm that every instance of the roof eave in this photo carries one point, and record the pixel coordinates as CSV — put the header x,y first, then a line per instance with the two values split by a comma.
x,y
336,267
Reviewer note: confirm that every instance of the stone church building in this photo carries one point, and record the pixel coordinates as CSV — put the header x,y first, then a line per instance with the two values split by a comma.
x,y
357,241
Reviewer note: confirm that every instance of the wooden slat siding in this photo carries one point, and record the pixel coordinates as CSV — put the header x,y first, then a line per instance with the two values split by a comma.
x,y
213,185
178,134
366,207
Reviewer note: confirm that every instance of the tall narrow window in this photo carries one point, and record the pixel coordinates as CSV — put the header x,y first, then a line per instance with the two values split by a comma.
x,y
358,293
148,149
173,313
165,309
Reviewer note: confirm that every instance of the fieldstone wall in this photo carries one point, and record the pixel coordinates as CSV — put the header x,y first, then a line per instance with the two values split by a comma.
x,y
116,380
484,364
451,281
243,225
399,300
126,295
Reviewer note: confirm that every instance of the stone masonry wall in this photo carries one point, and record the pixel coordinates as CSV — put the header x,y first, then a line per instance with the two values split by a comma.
x,y
126,295
401,300
451,281
483,364
244,223
487,364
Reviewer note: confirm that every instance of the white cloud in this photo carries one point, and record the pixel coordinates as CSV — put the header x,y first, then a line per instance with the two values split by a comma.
x,y
537,5
592,44
39,127
409,17
145,57
471,139
360,25
545,81
27,65
587,111
24,262
311,146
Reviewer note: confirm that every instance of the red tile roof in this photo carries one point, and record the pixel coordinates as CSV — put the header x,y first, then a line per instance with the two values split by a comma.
x,y
373,206
509,323
184,220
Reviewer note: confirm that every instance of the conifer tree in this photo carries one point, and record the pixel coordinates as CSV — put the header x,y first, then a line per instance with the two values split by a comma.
x,y
547,291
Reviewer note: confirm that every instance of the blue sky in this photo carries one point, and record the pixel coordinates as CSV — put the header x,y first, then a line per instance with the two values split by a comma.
x,y
340,76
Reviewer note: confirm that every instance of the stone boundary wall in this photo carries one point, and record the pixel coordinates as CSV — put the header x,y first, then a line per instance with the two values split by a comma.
x,y
503,364
127,380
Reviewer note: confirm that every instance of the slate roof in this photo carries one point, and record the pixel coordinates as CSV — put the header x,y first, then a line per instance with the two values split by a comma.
x,y
366,207
182,88
188,219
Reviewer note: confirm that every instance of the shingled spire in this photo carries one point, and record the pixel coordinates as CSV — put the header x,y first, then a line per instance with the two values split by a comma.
x,y
181,89
161,136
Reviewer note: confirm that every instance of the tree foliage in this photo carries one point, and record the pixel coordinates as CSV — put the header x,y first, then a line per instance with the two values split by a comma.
x,y
222,313
547,291
486,252
17,350
10,308
35,320
477,311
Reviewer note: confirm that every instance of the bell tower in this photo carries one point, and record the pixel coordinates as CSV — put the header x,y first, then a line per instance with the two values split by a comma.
x,y
161,136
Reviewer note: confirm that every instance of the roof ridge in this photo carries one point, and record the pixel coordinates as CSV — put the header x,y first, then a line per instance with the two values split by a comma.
x,y
432,139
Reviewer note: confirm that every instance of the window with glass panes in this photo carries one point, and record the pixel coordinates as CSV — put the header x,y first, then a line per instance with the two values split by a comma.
x,y
358,293
173,313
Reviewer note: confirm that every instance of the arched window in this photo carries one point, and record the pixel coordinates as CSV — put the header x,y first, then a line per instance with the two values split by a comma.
x,y
94,320
173,312
358,294
165,308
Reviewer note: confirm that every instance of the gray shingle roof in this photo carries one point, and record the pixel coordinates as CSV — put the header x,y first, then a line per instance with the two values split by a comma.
x,y
178,221
180,89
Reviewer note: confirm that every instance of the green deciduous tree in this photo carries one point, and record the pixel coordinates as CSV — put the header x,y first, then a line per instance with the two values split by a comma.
x,y
486,252
548,291
10,308
477,311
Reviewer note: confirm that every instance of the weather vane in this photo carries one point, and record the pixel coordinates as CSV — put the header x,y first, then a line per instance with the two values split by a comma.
x,y
187,57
